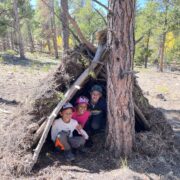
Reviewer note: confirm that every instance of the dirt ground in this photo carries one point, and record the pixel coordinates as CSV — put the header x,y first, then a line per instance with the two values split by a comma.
x,y
19,78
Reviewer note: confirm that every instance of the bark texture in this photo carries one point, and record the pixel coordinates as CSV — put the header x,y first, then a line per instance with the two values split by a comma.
x,y
120,129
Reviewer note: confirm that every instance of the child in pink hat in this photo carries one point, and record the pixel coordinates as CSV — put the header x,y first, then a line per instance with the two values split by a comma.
x,y
81,113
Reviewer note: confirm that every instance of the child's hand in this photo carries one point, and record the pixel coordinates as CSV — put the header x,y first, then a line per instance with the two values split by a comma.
x,y
79,127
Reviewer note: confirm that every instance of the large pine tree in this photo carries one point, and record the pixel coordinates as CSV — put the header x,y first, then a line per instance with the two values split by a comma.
x,y
120,128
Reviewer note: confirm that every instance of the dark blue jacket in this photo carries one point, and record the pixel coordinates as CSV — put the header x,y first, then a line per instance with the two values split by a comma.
x,y
100,106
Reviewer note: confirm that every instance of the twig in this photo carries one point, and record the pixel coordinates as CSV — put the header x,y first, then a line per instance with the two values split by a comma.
x,y
102,5
137,41
105,22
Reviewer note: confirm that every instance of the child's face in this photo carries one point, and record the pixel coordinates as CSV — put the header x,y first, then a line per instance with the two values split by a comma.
x,y
95,96
81,108
66,115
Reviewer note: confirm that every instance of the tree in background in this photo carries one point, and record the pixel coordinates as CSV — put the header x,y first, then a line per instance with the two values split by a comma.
x,y
41,28
89,17
65,25
43,20
18,30
145,25
27,13
161,18
53,29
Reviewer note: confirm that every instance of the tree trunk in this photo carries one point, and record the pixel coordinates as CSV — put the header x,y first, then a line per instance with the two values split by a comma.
x,y
120,126
8,40
53,29
65,25
162,51
4,44
162,44
30,36
49,45
147,49
12,39
17,27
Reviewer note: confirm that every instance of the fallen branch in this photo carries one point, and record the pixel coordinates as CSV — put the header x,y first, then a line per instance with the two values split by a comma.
x,y
80,34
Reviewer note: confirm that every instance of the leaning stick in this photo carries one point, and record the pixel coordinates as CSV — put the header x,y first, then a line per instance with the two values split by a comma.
x,y
38,133
69,94
141,115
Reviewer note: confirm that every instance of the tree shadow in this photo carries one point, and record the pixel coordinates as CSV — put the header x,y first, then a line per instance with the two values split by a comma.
x,y
173,117
13,60
8,102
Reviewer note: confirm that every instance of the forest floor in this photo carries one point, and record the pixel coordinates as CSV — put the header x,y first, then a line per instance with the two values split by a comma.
x,y
19,78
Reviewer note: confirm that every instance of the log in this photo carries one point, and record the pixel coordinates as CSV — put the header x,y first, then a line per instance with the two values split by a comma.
x,y
142,117
68,95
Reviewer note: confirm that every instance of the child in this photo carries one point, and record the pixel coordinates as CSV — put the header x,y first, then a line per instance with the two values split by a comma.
x,y
62,132
81,113
98,109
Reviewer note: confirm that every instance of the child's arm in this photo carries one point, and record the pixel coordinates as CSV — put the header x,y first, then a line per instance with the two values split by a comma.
x,y
84,134
82,131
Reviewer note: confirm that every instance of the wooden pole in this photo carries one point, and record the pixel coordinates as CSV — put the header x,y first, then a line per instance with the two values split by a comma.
x,y
69,94
141,115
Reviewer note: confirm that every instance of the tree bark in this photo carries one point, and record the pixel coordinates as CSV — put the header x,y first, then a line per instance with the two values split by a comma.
x,y
17,27
120,126
53,29
65,25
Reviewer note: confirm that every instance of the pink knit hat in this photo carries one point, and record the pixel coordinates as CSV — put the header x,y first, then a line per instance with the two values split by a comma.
x,y
82,99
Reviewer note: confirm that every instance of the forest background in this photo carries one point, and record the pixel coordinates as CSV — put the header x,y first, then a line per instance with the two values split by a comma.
x,y
39,28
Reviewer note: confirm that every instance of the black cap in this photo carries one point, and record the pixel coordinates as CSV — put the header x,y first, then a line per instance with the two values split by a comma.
x,y
97,88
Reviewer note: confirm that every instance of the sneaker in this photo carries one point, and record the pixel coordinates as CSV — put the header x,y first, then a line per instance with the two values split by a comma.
x,y
69,156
